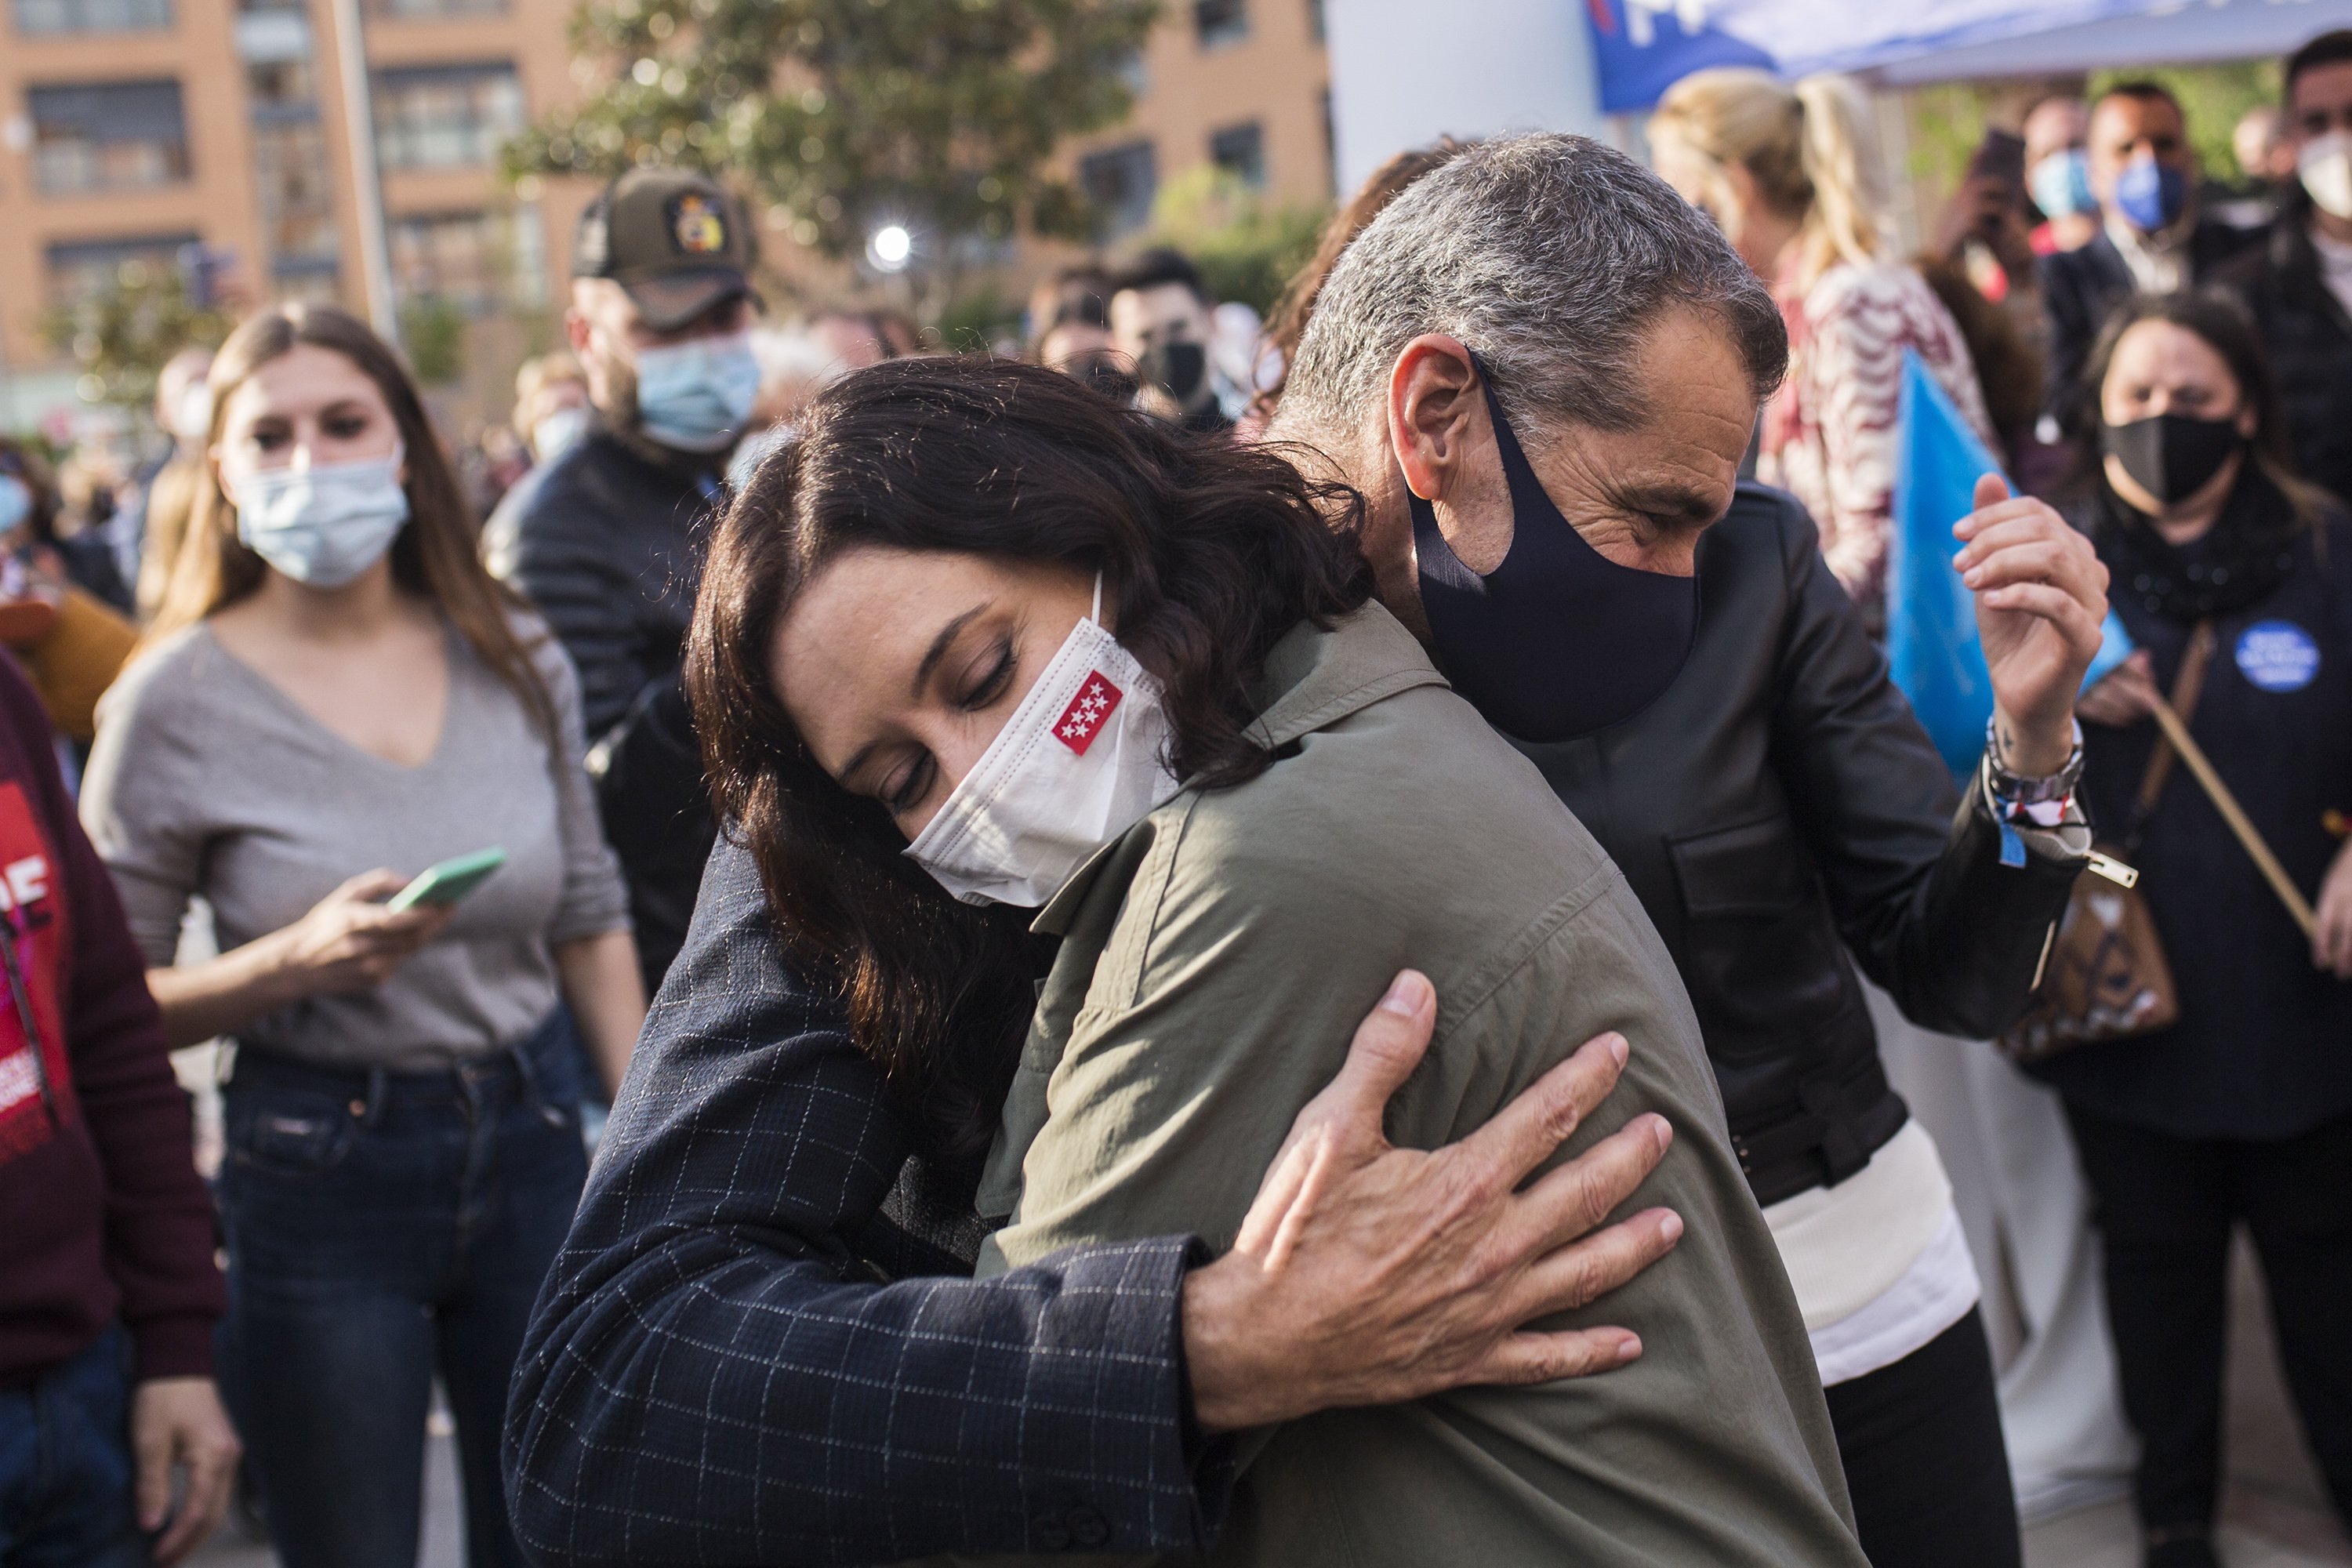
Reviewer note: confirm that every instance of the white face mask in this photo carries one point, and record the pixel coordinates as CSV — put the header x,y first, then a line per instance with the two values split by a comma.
x,y
1080,762
2325,165
324,526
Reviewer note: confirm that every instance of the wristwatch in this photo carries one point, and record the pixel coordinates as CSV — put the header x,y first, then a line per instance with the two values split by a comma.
x,y
2006,789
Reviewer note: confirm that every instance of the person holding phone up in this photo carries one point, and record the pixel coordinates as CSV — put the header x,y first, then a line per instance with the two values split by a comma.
x,y
334,698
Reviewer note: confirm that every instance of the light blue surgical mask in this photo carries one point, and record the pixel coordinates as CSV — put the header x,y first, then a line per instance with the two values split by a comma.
x,y
695,395
324,526
2061,183
15,503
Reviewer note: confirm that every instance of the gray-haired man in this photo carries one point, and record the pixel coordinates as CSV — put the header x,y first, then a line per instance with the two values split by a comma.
x,y
1541,369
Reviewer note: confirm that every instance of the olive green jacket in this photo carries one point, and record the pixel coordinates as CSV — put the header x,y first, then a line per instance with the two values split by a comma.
x,y
1215,961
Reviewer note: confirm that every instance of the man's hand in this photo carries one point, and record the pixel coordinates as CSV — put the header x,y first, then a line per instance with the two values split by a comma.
x,y
2041,597
1369,1275
177,1423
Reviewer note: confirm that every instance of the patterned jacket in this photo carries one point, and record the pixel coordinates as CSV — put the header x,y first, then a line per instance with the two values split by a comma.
x,y
1829,434
760,1343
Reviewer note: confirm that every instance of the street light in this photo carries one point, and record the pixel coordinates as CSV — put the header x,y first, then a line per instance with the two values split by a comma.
x,y
890,249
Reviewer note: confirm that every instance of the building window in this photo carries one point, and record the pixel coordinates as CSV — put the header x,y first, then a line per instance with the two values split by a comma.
x,y
445,117
79,272
1240,150
1120,182
433,10
297,203
479,260
279,91
108,136
1219,21
41,16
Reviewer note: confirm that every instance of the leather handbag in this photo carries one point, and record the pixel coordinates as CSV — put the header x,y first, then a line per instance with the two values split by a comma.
x,y
2105,976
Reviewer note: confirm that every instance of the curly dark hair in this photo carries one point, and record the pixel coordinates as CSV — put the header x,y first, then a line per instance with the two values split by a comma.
x,y
1207,551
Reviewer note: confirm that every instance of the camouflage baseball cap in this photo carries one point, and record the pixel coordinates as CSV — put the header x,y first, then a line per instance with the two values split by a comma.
x,y
675,241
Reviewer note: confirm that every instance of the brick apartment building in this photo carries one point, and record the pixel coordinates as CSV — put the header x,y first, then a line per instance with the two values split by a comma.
x,y
135,129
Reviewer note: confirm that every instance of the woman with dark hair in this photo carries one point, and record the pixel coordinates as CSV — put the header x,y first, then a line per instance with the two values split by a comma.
x,y
984,658
2242,1109
334,684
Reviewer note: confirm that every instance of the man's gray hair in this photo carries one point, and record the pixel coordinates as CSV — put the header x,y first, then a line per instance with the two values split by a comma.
x,y
1550,257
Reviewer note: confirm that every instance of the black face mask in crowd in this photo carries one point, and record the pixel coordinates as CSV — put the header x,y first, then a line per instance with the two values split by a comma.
x,y
1177,369
2172,455
1559,641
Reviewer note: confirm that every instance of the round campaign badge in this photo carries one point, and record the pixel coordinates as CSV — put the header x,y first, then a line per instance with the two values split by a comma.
x,y
2278,656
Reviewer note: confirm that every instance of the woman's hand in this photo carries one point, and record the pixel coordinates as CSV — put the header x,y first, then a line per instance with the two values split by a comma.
x,y
2125,698
349,942
2041,598
1369,1275
2331,943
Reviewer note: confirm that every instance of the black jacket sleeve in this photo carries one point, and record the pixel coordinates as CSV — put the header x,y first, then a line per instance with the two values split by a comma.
x,y
1911,865
717,1371
2067,298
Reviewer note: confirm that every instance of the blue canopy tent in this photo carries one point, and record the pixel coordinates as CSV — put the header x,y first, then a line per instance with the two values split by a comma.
x,y
1641,48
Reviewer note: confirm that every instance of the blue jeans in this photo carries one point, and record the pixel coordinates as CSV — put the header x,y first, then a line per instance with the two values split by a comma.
x,y
66,1471
382,1226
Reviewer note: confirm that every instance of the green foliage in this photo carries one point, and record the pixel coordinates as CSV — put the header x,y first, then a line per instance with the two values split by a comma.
x,y
122,337
2213,99
433,332
1946,125
846,114
1245,250
977,317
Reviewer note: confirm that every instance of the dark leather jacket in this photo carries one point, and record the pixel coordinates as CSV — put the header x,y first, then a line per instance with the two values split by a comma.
x,y
605,541
1778,806
2080,287
2310,338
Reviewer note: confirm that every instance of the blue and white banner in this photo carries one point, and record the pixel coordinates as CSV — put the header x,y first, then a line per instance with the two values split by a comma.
x,y
1644,47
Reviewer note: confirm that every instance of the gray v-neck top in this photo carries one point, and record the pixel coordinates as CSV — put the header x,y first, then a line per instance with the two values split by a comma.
x,y
208,780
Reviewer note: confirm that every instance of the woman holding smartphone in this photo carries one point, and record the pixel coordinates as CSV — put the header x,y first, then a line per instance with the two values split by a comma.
x,y
334,698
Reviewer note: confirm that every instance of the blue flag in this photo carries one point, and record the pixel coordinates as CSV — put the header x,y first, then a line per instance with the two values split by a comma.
x,y
1931,616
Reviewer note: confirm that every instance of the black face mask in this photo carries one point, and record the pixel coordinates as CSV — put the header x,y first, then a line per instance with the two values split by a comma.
x,y
1177,369
1559,641
2172,455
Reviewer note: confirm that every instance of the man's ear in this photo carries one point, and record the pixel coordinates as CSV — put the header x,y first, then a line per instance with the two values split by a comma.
x,y
576,332
1435,405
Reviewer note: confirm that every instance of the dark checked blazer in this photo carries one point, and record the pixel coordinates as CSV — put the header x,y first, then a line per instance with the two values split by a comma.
x,y
760,1343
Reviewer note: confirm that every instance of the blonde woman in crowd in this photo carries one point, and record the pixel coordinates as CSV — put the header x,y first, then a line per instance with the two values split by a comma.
x,y
336,696
1790,176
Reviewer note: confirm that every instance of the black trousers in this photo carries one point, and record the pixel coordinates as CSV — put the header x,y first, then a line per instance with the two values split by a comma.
x,y
2166,1208
1925,1461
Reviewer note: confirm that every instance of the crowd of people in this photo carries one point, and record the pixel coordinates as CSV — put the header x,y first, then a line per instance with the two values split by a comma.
x,y
1264,939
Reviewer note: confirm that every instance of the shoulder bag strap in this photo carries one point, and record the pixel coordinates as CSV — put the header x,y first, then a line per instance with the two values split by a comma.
x,y
2187,687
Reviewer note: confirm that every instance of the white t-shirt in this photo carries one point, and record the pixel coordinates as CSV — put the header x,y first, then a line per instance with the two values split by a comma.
x,y
2334,267
1878,1262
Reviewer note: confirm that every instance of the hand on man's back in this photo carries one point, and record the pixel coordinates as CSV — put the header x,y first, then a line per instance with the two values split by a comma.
x,y
1366,1274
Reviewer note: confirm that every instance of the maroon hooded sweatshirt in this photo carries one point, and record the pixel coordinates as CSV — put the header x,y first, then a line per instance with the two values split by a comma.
x,y
103,1216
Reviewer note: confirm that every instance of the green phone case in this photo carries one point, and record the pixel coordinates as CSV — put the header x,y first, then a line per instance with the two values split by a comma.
x,y
448,881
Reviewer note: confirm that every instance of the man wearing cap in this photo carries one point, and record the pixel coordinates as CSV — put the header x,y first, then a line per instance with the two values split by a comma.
x,y
603,539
